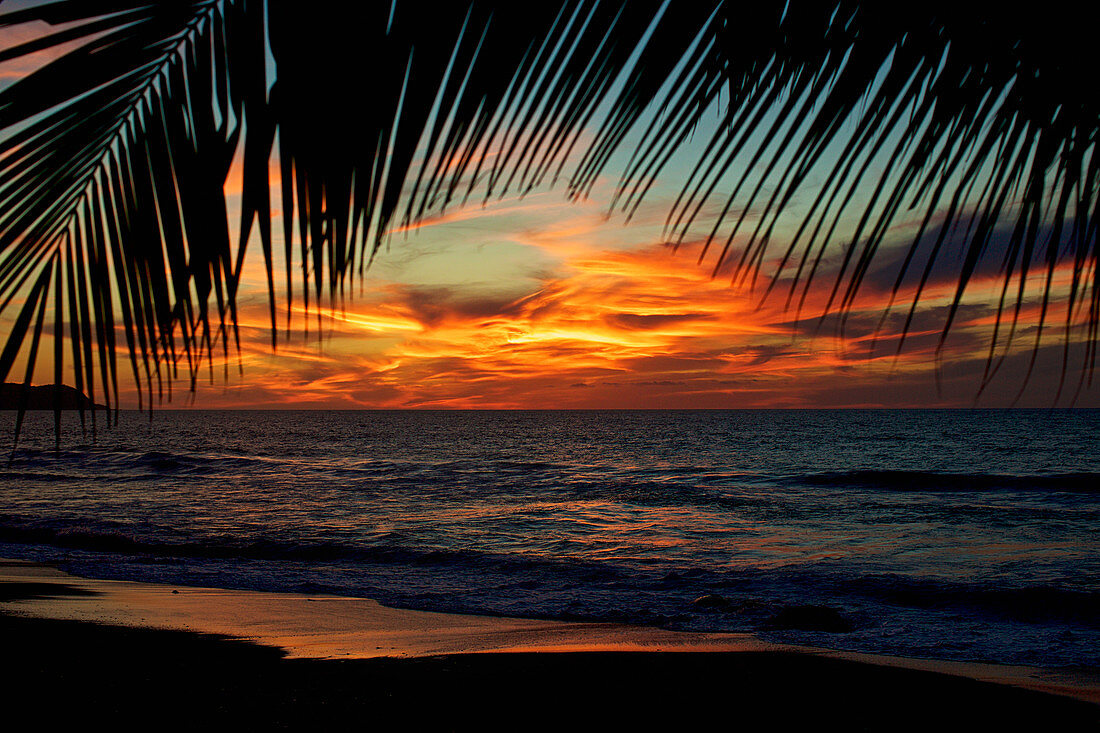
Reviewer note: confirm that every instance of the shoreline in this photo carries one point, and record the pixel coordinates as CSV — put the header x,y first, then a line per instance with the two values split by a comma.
x,y
328,628
319,626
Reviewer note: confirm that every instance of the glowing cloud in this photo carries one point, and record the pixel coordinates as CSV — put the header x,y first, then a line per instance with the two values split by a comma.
x,y
588,318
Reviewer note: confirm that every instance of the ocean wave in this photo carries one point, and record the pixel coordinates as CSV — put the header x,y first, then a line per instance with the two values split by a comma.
x,y
753,594
1030,604
116,464
904,480
118,541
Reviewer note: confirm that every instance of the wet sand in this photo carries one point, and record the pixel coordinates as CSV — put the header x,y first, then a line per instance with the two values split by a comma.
x,y
320,626
163,656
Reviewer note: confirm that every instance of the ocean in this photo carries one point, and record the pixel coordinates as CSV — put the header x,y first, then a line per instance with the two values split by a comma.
x,y
967,535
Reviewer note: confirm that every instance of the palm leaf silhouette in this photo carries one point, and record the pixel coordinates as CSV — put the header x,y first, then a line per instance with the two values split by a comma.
x,y
113,156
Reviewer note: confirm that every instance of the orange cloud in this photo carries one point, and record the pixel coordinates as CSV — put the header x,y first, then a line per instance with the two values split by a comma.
x,y
608,327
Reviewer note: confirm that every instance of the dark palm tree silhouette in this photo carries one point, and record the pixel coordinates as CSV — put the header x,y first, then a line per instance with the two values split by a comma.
x,y
114,155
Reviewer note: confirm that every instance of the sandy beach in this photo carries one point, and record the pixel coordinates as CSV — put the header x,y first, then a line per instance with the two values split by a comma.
x,y
178,655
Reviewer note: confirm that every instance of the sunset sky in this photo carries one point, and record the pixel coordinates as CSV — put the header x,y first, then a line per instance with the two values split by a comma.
x,y
540,302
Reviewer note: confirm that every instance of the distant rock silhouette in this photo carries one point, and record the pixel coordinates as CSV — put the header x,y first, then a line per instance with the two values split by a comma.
x,y
43,397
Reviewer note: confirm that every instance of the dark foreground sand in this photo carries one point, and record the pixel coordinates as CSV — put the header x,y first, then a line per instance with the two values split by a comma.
x,y
82,674
70,673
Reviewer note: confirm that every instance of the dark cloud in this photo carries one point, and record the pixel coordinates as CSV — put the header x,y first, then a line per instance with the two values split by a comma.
x,y
433,306
640,322
374,394
883,274
887,264
959,384
866,324
676,363
762,354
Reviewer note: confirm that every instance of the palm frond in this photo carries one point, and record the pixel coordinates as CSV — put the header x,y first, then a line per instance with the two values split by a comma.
x,y
983,121
113,157
491,95
112,166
